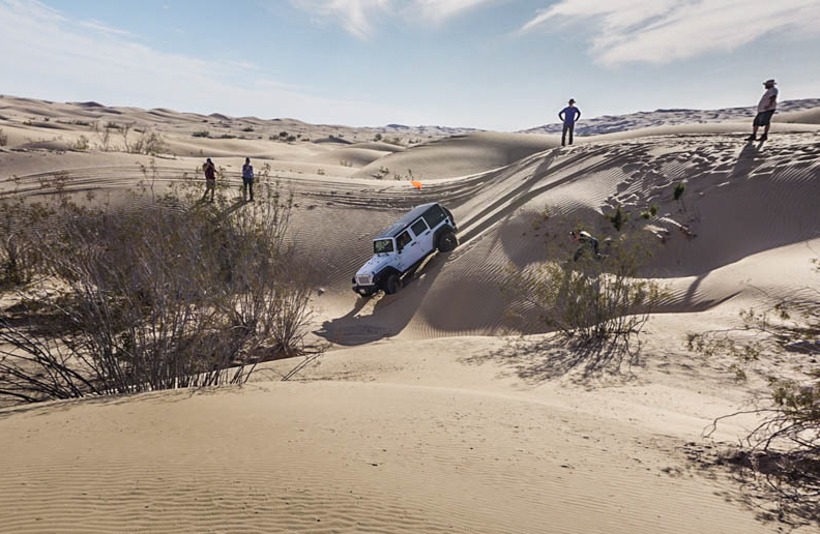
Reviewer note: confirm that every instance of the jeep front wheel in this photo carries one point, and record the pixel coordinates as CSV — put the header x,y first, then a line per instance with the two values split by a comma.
x,y
447,241
392,283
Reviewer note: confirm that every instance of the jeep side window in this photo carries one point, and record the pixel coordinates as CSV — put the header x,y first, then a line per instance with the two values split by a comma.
x,y
380,246
419,227
433,216
403,239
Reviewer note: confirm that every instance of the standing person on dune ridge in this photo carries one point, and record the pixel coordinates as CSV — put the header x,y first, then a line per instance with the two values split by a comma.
x,y
569,115
765,110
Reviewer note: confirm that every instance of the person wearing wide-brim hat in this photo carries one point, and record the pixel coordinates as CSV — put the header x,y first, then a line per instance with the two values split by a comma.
x,y
765,110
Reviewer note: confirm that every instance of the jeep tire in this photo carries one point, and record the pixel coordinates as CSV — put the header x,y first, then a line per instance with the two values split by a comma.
x,y
392,283
447,241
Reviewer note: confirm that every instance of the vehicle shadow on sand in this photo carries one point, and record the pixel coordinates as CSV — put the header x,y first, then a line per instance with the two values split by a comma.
x,y
390,314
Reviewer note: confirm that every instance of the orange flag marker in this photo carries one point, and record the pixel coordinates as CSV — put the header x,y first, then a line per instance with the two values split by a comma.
x,y
416,184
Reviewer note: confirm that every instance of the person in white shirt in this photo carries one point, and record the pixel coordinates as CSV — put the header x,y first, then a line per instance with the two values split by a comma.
x,y
765,110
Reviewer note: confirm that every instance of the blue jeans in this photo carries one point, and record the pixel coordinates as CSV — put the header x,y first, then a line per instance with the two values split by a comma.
x,y
567,128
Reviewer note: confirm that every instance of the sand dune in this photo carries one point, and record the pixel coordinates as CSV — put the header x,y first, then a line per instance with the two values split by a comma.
x,y
430,413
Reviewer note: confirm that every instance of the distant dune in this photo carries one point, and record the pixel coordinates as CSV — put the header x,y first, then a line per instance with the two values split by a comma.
x,y
668,117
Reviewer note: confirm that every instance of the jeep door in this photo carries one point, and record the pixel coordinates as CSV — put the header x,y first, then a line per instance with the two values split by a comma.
x,y
423,236
409,251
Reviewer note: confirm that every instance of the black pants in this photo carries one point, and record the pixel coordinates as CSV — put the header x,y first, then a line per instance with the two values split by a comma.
x,y
567,128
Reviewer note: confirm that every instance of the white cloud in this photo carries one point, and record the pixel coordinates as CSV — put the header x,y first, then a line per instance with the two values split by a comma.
x,y
439,11
662,31
358,17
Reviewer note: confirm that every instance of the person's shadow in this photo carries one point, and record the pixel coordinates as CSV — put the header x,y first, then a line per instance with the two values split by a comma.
x,y
747,160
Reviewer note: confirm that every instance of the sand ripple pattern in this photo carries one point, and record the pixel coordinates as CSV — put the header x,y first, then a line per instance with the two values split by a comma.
x,y
337,457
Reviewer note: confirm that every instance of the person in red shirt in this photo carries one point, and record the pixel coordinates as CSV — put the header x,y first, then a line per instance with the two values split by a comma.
x,y
210,178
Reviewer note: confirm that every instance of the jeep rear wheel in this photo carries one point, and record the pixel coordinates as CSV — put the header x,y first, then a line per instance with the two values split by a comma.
x,y
392,283
447,241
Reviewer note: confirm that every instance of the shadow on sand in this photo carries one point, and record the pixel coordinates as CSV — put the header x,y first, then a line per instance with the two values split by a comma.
x,y
391,313
537,361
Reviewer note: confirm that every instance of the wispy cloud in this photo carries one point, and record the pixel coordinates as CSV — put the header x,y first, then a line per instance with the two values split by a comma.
x,y
355,16
358,17
439,11
662,31
100,27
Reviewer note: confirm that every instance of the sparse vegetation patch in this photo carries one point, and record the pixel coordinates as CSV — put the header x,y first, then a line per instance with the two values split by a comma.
x,y
176,294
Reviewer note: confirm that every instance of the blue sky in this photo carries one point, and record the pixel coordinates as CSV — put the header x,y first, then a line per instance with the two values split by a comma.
x,y
494,64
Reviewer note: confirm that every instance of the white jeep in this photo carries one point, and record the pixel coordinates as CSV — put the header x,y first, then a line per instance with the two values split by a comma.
x,y
402,247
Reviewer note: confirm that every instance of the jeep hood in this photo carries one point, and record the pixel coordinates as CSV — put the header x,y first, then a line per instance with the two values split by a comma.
x,y
376,263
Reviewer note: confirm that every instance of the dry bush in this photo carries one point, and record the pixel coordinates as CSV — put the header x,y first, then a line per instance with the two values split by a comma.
x,y
784,449
147,142
20,254
171,295
595,301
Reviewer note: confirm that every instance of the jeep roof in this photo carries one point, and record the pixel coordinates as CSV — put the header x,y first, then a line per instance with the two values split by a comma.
x,y
409,218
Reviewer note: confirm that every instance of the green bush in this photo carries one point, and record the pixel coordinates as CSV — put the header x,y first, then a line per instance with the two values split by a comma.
x,y
201,133
618,218
680,187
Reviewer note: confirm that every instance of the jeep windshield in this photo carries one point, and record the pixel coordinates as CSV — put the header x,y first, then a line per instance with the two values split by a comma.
x,y
382,246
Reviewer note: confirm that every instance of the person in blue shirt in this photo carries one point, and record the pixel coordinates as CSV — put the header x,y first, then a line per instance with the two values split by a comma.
x,y
247,180
569,115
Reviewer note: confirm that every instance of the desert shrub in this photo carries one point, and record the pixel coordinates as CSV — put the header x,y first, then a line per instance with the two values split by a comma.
x,y
618,218
20,255
677,193
201,133
170,295
594,301
81,143
784,449
148,142
103,135
4,139
651,212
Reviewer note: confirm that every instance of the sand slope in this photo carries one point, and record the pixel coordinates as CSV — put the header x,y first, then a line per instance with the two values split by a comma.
x,y
344,457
